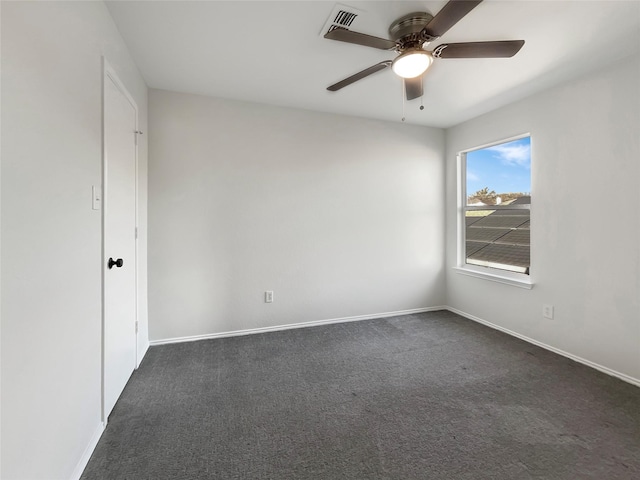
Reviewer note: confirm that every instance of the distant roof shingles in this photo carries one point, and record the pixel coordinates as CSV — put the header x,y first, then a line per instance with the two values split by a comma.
x,y
500,239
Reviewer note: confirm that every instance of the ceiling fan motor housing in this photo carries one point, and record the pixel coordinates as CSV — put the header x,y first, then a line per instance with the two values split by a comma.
x,y
407,30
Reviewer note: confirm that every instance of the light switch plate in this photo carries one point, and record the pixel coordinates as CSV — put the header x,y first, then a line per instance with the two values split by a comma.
x,y
96,197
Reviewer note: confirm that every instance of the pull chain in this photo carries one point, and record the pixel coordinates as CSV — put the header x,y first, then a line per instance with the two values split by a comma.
x,y
403,89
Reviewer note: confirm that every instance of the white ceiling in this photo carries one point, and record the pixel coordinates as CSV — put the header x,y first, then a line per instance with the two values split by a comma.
x,y
272,52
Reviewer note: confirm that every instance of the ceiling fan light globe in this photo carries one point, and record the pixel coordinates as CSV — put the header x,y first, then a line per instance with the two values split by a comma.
x,y
412,63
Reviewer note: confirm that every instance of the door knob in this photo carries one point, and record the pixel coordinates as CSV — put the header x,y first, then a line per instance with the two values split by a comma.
x,y
118,263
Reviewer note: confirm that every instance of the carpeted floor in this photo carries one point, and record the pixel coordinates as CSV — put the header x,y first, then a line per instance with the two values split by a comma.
x,y
428,396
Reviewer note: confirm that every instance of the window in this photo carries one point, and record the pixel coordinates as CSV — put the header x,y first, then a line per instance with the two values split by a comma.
x,y
494,224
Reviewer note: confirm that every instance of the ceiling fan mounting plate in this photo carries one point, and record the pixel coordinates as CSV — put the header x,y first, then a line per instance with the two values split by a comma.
x,y
406,29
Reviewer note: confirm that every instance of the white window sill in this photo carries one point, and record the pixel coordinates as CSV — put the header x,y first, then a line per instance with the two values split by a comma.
x,y
514,279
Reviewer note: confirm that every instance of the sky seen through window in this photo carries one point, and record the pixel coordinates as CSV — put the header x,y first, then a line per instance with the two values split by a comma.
x,y
503,168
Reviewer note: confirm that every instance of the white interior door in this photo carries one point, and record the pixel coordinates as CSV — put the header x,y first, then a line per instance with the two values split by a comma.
x,y
119,333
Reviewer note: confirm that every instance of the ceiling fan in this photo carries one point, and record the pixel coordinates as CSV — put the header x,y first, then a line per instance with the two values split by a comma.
x,y
409,35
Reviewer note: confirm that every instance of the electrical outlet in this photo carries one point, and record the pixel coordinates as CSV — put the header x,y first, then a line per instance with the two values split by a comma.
x,y
268,296
547,311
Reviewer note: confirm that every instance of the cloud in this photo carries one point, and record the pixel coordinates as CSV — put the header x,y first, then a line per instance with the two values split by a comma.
x,y
472,176
513,154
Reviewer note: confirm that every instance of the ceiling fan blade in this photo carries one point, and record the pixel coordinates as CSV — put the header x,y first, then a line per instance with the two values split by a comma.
x,y
500,49
360,75
349,36
448,16
413,87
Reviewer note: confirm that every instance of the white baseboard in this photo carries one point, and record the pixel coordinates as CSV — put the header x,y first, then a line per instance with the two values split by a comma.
x,y
86,455
235,333
589,363
141,355
88,451
315,323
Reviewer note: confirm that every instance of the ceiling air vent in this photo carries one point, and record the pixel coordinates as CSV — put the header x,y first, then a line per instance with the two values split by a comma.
x,y
342,16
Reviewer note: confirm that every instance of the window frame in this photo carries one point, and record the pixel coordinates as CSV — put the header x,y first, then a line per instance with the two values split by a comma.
x,y
507,277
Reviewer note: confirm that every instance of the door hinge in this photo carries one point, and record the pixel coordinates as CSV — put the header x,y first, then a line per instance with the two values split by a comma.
x,y
136,326
136,232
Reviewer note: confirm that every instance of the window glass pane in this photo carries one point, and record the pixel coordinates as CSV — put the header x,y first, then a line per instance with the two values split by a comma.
x,y
500,177
498,239
500,174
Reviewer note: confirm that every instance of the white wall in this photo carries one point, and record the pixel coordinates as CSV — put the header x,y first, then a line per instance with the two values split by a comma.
x,y
51,238
585,224
339,216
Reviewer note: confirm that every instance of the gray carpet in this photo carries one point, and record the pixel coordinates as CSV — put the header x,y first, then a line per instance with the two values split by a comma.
x,y
428,396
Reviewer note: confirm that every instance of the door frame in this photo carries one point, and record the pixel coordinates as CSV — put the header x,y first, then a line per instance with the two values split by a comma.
x,y
109,74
